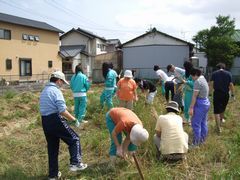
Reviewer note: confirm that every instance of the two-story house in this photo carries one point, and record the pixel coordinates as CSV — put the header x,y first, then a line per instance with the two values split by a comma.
x,y
80,46
28,48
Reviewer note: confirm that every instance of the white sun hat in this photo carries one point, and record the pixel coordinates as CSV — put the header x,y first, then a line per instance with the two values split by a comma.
x,y
128,73
59,75
138,135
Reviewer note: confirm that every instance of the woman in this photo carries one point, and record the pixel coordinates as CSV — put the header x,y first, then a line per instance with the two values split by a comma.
x,y
110,85
199,107
79,85
124,120
127,90
188,90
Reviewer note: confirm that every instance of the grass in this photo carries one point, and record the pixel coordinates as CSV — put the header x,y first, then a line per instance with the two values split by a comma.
x,y
23,152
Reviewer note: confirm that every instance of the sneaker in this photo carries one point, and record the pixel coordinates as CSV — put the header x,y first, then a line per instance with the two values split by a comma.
x,y
58,176
193,146
223,120
83,121
78,167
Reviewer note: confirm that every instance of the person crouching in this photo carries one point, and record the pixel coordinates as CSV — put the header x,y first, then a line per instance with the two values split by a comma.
x,y
170,139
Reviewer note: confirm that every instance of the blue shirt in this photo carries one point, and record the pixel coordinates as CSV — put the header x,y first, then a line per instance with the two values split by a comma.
x,y
79,83
221,80
51,100
110,80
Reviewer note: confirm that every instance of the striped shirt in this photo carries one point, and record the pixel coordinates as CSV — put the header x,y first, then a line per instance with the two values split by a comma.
x,y
51,100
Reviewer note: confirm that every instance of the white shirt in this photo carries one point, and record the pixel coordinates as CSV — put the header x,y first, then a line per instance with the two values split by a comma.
x,y
163,75
173,137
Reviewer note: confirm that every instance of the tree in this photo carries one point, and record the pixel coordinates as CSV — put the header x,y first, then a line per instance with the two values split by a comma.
x,y
217,42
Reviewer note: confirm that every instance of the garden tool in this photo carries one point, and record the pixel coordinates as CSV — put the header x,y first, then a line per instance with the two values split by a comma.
x,y
138,167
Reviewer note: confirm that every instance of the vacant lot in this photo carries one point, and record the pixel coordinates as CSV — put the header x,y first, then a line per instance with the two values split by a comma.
x,y
23,152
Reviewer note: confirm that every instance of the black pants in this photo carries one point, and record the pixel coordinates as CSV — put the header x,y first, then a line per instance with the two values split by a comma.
x,y
220,101
169,86
56,128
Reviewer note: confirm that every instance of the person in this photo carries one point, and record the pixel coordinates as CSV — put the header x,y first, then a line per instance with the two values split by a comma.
x,y
221,81
110,86
146,85
79,85
179,74
122,120
127,90
168,82
199,108
170,139
53,113
187,90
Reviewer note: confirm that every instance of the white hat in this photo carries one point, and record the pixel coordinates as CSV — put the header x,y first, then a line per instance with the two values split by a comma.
x,y
172,105
59,75
138,134
128,73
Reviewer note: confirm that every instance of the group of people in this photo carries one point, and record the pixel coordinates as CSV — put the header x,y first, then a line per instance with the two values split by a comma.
x,y
189,85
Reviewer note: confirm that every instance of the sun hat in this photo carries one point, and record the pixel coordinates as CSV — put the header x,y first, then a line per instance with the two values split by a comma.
x,y
128,73
138,134
172,105
59,75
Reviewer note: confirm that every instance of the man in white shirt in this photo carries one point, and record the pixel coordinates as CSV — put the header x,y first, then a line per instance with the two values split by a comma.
x,y
168,82
170,139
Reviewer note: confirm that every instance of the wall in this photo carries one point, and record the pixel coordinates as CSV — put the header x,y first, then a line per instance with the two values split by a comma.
x,y
143,58
40,52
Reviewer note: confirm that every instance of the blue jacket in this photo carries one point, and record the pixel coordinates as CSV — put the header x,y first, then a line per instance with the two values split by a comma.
x,y
110,80
79,83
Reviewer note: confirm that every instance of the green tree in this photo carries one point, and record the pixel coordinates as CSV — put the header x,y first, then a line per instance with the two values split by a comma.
x,y
217,42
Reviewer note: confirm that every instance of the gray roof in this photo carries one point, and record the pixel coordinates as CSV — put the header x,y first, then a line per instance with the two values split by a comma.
x,y
72,51
27,22
84,32
236,35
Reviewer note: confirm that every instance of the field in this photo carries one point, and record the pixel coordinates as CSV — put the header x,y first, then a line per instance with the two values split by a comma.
x,y
23,152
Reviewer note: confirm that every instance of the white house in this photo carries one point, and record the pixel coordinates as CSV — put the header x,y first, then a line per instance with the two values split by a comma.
x,y
80,46
154,48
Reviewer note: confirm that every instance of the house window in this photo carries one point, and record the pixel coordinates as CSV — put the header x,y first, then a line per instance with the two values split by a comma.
x,y
25,67
36,38
8,64
5,34
31,38
50,64
25,37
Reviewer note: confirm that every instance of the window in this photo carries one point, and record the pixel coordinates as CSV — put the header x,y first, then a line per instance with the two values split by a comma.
x,y
8,64
25,37
50,63
36,38
31,38
5,34
25,67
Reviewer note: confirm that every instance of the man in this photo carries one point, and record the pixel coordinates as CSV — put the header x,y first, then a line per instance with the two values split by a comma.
x,y
53,112
146,85
168,82
179,74
221,81
121,120
170,139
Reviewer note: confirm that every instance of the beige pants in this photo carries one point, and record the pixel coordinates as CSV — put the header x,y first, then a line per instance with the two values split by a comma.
x,y
126,104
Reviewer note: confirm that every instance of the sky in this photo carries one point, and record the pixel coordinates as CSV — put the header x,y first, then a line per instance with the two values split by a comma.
x,y
126,19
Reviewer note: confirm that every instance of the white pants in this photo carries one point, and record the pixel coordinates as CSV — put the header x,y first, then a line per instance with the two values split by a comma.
x,y
151,96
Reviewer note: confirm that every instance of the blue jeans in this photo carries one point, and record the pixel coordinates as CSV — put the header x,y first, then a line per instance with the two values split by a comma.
x,y
56,128
80,105
113,148
199,120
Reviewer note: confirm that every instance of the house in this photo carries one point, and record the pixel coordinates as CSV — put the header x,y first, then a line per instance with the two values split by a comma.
x,y
28,49
113,45
235,70
154,48
80,46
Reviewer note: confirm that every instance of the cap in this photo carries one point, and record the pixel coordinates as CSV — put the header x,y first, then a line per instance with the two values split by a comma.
x,y
128,74
138,134
59,75
173,105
